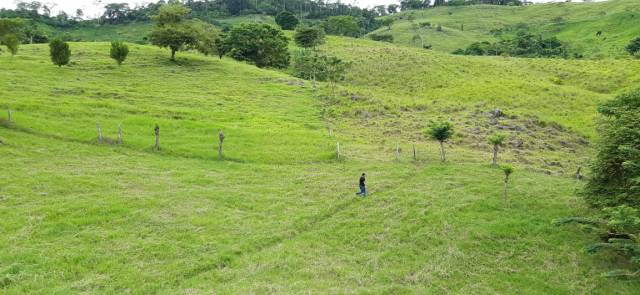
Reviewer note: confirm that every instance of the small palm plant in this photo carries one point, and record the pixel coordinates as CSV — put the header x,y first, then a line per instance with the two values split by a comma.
x,y
440,131
497,140
508,170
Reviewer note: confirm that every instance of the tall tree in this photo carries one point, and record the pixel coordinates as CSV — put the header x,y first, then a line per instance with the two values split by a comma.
x,y
261,44
172,31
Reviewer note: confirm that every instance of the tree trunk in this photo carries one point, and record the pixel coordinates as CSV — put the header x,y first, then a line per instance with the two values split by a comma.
x,y
99,132
506,187
495,155
415,156
119,134
442,154
173,54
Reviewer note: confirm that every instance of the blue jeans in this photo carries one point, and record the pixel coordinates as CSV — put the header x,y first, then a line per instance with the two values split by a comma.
x,y
363,190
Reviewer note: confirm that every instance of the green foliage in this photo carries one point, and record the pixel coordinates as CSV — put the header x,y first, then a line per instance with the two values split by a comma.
x,y
507,170
172,31
634,46
171,14
11,26
387,22
623,219
11,42
261,44
440,131
311,65
382,37
119,51
209,39
497,138
524,45
616,170
309,37
342,25
287,20
59,52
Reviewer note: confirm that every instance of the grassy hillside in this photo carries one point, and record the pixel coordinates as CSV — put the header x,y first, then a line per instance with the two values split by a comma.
x,y
574,23
550,105
278,215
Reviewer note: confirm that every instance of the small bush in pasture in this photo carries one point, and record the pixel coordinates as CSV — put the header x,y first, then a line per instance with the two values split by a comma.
x,y
119,51
60,52
11,42
382,37
309,37
634,47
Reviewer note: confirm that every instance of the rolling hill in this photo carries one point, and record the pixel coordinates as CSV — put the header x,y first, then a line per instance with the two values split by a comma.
x,y
278,213
574,23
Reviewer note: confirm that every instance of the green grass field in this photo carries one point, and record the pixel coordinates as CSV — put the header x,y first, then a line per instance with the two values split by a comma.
x,y
279,213
574,23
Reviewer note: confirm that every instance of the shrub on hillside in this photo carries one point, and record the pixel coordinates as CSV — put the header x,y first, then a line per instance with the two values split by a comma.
x,y
523,45
309,37
382,37
60,52
11,42
616,171
208,39
119,51
287,20
261,44
634,47
311,65
343,25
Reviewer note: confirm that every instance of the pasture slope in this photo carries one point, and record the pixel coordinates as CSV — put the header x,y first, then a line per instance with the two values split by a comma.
x,y
574,23
278,214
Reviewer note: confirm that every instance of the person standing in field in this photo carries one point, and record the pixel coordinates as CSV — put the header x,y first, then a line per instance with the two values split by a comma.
x,y
363,186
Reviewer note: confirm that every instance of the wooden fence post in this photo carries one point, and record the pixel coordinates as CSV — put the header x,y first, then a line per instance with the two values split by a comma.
x,y
99,132
10,119
157,132
415,156
119,134
338,150
221,140
578,174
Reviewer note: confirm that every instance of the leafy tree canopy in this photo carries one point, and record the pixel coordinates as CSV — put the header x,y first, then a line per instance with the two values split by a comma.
x,y
287,20
261,44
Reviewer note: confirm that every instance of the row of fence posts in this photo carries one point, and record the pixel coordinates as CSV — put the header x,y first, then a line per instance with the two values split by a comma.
x,y
156,131
221,137
397,152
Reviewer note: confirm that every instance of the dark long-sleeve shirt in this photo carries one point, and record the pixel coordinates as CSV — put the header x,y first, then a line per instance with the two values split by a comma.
x,y
362,180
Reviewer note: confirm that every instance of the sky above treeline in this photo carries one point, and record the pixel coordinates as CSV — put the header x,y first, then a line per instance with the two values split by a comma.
x,y
94,8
